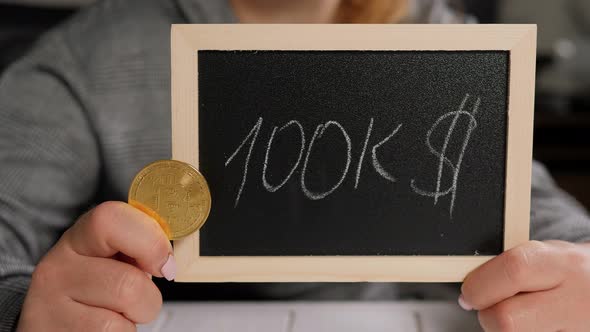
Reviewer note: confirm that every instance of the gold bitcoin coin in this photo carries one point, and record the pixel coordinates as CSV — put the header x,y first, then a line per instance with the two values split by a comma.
x,y
175,194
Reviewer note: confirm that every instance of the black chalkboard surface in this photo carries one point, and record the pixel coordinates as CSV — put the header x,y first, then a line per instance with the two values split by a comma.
x,y
353,152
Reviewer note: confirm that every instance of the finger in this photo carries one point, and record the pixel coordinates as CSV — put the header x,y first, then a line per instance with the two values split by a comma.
x,y
114,227
542,311
88,318
125,259
114,285
533,266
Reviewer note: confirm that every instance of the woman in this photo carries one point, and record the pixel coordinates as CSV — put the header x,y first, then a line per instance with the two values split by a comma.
x,y
88,107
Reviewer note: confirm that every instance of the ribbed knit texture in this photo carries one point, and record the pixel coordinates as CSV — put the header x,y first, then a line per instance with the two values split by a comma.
x,y
90,105
12,294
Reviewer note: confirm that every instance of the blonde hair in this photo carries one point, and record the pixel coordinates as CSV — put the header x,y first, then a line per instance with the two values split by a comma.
x,y
371,11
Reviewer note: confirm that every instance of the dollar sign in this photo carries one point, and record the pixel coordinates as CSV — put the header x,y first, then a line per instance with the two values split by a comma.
x,y
443,160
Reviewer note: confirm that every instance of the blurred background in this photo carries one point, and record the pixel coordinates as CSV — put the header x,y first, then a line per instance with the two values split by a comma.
x,y
562,112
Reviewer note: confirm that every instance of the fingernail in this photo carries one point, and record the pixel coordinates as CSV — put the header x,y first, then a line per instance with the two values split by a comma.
x,y
169,268
464,304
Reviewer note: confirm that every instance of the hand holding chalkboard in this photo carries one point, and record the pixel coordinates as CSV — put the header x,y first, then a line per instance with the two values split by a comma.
x,y
353,153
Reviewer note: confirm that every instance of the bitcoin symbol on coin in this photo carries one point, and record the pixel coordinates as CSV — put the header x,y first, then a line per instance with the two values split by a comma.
x,y
175,194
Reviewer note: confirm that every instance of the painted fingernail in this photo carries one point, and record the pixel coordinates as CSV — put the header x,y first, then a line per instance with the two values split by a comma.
x,y
464,304
169,268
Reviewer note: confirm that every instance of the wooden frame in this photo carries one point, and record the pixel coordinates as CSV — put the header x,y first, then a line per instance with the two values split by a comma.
x,y
519,40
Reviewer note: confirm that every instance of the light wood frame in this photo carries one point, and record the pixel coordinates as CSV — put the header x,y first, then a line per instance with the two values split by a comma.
x,y
519,40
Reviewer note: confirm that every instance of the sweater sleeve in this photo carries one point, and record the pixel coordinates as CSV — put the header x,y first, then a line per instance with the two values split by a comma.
x,y
49,164
555,215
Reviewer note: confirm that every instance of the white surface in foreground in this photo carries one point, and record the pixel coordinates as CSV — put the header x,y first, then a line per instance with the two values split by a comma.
x,y
411,316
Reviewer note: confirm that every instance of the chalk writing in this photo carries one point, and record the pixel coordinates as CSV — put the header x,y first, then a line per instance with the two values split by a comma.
x,y
268,186
362,157
378,167
254,132
319,131
443,160
444,163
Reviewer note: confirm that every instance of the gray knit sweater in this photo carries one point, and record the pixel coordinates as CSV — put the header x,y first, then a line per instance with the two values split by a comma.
x,y
90,105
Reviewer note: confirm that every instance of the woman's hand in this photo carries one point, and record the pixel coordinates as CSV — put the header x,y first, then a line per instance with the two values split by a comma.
x,y
95,277
537,286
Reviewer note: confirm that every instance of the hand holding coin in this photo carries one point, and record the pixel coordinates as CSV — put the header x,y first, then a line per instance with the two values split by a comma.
x,y
175,194
102,270
95,275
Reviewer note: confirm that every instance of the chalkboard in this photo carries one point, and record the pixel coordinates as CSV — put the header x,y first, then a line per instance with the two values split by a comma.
x,y
407,152
327,154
